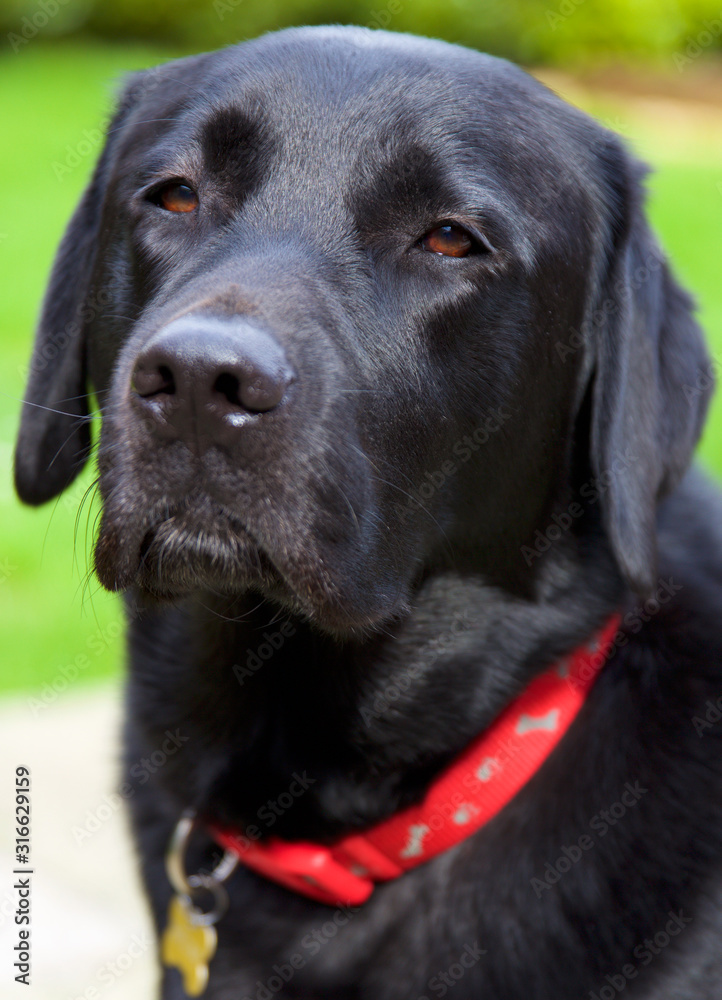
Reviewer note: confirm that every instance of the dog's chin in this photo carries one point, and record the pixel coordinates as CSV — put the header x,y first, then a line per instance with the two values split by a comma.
x,y
177,559
195,548
191,548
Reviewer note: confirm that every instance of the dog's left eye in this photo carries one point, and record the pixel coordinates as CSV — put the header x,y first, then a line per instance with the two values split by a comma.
x,y
176,197
449,240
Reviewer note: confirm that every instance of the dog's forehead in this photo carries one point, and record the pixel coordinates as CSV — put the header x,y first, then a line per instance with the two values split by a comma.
x,y
306,76
344,91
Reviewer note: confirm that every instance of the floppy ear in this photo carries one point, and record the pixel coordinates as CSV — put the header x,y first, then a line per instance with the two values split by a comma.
x,y
54,438
652,378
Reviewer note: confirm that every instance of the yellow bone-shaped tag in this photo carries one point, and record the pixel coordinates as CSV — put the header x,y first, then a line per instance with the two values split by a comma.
x,y
188,946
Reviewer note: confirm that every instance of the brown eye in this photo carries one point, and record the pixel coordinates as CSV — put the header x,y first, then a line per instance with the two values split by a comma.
x,y
451,241
177,197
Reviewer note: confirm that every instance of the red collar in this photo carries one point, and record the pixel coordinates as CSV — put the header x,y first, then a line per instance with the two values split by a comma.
x,y
470,792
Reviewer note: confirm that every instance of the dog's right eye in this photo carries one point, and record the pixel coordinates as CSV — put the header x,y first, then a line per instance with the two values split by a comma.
x,y
453,239
448,240
175,197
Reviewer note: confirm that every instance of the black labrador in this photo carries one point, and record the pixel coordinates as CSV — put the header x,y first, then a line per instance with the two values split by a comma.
x,y
398,397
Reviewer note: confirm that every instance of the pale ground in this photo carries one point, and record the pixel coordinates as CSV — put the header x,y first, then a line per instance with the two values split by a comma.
x,y
91,935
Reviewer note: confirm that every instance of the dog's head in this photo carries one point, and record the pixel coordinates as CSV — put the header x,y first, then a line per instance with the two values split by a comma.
x,y
357,307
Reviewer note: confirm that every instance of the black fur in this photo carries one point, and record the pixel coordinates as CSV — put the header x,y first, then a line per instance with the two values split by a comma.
x,y
558,368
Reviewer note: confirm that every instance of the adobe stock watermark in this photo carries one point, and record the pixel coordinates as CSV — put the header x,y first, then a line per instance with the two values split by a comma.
x,y
255,658
311,945
223,7
600,825
140,773
644,954
696,45
462,450
68,673
598,319
32,24
97,300
268,813
705,380
382,18
632,622
6,570
460,807
115,968
401,683
563,12
72,497
616,124
591,492
712,717
442,982
90,143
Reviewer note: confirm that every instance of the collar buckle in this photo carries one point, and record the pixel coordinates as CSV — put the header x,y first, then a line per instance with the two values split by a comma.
x,y
309,869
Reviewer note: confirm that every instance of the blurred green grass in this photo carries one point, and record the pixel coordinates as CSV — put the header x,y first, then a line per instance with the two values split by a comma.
x,y
57,625
56,622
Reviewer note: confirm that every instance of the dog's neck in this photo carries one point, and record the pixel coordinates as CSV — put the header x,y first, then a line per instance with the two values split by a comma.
x,y
370,721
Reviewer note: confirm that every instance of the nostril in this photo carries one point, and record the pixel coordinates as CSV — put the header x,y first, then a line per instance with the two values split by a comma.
x,y
228,385
254,389
168,381
153,381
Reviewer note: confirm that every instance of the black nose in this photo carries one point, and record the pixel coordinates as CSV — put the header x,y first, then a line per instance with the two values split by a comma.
x,y
200,379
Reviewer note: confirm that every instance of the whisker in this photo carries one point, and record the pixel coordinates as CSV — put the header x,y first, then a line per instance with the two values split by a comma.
x,y
91,489
63,413
147,121
57,453
405,492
